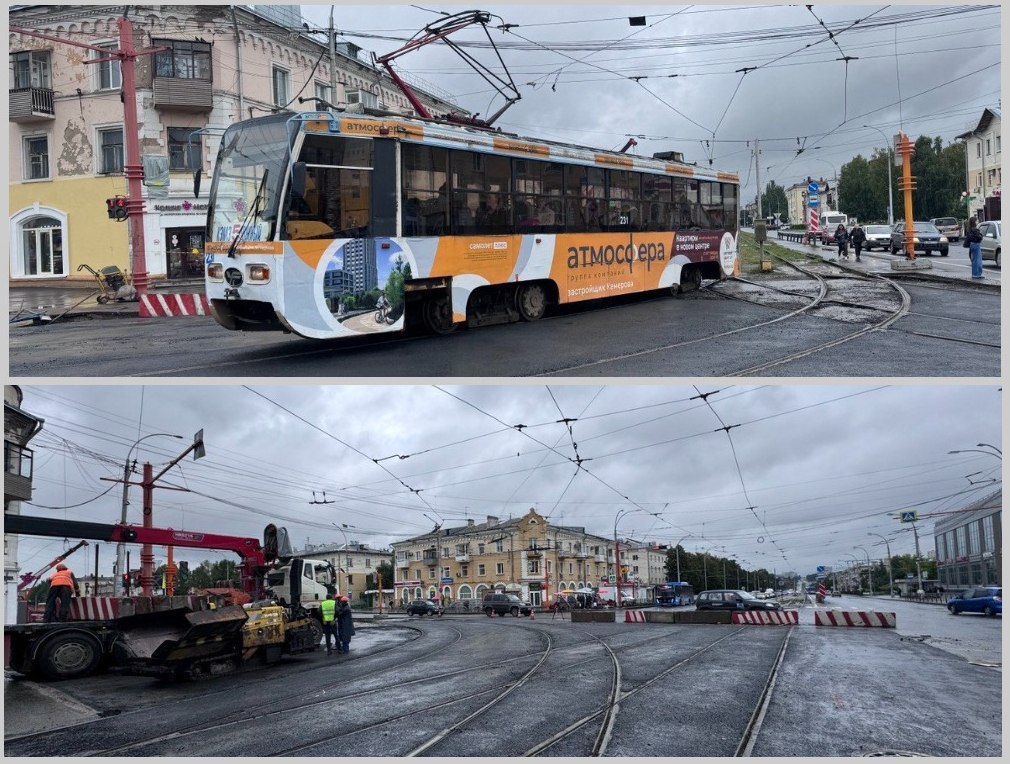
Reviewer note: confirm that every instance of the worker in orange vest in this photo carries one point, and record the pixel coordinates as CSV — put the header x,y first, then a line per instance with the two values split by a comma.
x,y
62,585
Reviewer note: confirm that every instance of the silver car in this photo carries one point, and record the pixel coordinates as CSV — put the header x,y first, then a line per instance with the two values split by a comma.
x,y
990,231
877,236
949,227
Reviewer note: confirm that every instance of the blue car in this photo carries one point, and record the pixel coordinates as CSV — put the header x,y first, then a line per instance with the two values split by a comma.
x,y
983,599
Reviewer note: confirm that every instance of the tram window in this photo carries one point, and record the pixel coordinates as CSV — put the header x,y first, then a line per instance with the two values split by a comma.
x,y
624,211
537,199
336,203
657,211
337,152
729,205
685,204
481,193
585,199
425,205
711,203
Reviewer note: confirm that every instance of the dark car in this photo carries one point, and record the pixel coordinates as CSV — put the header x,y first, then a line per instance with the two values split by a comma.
x,y
732,599
505,604
424,607
981,599
927,238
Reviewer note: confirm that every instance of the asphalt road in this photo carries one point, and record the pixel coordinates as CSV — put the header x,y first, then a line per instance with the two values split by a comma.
x,y
701,334
474,686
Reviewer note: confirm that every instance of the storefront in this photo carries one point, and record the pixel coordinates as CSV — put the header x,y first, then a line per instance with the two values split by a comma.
x,y
175,231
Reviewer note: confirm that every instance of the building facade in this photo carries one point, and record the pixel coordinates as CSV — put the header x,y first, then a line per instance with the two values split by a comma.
x,y
984,166
219,64
796,199
526,555
20,427
969,545
644,564
353,563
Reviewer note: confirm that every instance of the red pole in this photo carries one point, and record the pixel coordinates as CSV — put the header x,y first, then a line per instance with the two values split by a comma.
x,y
147,551
133,168
617,568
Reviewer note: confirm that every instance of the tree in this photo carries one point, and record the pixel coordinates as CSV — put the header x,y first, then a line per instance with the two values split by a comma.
x,y
774,200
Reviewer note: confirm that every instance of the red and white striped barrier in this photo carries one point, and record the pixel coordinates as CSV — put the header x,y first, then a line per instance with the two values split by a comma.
x,y
853,618
767,617
93,609
634,616
166,305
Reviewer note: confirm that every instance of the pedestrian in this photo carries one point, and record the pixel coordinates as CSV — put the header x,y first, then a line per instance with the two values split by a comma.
x,y
62,585
842,240
858,237
973,240
345,625
328,610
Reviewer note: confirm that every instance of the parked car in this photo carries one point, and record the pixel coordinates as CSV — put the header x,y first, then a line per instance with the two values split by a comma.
x,y
991,241
502,604
423,608
732,599
949,227
926,237
877,236
981,599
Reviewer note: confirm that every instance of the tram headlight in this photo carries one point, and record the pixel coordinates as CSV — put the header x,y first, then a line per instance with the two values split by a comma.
x,y
215,272
259,273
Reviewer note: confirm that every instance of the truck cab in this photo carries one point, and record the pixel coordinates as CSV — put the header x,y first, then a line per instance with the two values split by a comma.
x,y
302,582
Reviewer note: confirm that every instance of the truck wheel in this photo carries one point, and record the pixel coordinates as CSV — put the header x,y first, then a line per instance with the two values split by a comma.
x,y
68,656
317,630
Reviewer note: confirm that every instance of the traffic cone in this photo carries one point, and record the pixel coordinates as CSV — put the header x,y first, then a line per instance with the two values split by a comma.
x,y
531,615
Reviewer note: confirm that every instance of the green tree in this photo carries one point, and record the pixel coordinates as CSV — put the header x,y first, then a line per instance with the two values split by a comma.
x,y
774,200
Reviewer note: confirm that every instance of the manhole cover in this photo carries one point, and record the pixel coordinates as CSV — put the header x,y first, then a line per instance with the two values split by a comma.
x,y
895,753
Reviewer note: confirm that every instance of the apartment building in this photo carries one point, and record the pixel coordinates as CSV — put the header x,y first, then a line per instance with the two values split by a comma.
x,y
796,199
217,65
969,545
20,427
525,555
643,563
984,166
352,561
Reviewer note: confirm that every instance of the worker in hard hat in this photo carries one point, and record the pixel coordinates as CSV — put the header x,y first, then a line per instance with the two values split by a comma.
x,y
328,610
62,586
345,625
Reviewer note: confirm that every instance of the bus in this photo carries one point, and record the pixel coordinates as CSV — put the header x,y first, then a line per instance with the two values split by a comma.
x,y
674,594
344,224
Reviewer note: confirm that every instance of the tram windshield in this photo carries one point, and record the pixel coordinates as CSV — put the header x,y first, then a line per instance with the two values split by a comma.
x,y
245,194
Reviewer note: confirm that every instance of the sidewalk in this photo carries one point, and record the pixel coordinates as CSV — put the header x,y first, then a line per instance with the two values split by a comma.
x,y
54,299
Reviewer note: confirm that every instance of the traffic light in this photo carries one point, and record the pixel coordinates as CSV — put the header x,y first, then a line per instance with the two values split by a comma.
x,y
126,582
116,207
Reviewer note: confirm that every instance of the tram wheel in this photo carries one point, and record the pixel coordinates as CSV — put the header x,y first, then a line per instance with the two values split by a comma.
x,y
531,301
437,315
690,280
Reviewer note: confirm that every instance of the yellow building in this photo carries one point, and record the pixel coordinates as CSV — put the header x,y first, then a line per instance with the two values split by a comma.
x,y
526,555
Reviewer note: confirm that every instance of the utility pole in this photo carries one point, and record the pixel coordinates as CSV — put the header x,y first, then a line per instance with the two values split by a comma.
x,y
918,564
133,169
238,65
757,176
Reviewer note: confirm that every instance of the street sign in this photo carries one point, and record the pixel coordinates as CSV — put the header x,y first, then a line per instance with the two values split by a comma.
x,y
814,201
909,517
612,578
820,568
446,581
821,577
813,188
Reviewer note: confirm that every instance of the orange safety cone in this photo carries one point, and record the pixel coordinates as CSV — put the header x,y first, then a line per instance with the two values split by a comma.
x,y
531,615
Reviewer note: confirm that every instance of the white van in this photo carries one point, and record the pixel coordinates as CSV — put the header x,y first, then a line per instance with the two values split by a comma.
x,y
828,222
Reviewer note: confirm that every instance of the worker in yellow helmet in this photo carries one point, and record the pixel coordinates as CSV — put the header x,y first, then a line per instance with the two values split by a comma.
x,y
328,610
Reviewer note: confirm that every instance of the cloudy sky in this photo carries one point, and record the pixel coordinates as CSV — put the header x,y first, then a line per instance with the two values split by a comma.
x,y
804,473
586,76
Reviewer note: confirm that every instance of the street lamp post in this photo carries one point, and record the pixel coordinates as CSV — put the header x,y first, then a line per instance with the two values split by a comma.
x,y
677,551
890,161
339,568
890,570
617,555
869,569
854,559
117,584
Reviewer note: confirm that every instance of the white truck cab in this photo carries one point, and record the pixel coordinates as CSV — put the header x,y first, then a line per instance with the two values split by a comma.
x,y
302,582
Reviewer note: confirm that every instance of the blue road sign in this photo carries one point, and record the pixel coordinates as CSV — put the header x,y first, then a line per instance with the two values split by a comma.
x,y
820,568
813,188
821,578
909,517
813,201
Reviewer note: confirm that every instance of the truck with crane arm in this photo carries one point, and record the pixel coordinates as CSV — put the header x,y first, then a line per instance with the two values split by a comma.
x,y
177,637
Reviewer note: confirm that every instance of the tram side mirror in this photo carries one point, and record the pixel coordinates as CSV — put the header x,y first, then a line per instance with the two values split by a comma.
x,y
298,178
197,174
760,232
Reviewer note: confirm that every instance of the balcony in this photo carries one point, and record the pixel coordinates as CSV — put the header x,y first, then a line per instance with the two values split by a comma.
x,y
31,105
564,554
581,554
599,558
463,557
534,553
17,472
183,94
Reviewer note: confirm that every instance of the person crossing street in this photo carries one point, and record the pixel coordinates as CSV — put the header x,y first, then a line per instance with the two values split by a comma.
x,y
858,238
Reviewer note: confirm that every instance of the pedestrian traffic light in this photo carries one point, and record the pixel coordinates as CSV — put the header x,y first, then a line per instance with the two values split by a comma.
x,y
116,207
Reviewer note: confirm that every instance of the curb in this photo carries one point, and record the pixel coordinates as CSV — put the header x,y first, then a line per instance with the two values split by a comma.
x,y
856,618
634,616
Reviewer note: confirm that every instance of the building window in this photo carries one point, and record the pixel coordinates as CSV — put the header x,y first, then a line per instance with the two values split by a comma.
x,y
108,73
499,569
962,547
110,145
445,551
533,566
464,571
281,79
30,69
431,572
499,546
974,547
183,60
978,150
350,579
368,563
480,570
417,573
445,573
37,157
997,144
480,549
988,537
988,147
41,242
323,93
184,154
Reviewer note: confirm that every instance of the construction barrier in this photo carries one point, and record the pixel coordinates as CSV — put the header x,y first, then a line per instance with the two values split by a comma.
x,y
853,618
767,617
634,616
94,608
593,616
168,305
687,616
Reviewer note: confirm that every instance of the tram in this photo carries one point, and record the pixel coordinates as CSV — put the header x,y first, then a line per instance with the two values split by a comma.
x,y
342,224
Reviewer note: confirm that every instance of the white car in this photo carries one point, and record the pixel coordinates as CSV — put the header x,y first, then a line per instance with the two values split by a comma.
x,y
877,236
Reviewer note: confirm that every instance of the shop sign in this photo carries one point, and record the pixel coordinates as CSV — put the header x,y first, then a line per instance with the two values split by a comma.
x,y
184,206
408,583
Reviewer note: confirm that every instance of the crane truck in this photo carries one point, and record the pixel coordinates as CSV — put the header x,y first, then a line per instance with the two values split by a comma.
x,y
177,637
